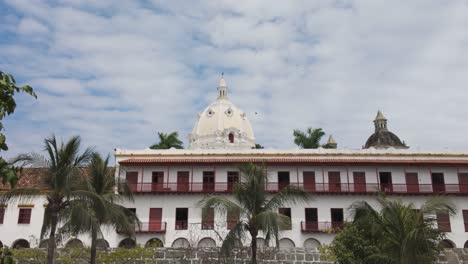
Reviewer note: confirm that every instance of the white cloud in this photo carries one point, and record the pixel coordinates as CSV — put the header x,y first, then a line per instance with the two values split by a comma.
x,y
31,26
117,73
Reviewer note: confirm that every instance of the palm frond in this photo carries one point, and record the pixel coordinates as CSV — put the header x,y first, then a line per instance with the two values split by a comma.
x,y
235,236
288,195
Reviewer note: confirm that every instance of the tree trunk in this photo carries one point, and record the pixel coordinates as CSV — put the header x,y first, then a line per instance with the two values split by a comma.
x,y
253,245
93,245
51,242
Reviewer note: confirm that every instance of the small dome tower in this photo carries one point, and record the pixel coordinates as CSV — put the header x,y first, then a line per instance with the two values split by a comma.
x,y
382,137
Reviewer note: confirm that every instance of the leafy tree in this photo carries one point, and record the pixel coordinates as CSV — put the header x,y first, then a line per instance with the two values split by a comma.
x,y
63,163
396,234
167,141
257,208
258,146
309,139
8,88
90,216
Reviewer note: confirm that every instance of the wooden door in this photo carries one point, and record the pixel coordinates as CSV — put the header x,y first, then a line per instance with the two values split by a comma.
x,y
309,181
155,218
233,179
311,219
334,181
208,181
463,181
132,180
438,182
412,183
157,184
183,181
359,179
337,217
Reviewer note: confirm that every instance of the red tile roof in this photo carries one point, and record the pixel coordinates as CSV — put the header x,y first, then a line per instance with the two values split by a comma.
x,y
31,178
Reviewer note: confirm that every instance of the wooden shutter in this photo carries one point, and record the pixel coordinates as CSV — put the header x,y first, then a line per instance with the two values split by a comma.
x,y
155,218
308,178
412,183
359,179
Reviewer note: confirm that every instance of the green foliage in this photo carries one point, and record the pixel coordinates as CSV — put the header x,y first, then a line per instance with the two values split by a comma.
x,y
122,254
395,234
8,88
30,255
6,256
258,209
167,141
309,139
258,146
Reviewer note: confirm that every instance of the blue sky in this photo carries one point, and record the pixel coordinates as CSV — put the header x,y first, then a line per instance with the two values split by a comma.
x,y
116,73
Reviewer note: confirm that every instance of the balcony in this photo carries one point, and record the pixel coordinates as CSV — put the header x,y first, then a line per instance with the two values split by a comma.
x,y
333,188
152,227
181,225
321,227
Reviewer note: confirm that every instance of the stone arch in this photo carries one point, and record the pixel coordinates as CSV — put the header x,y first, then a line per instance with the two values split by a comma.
x,y
447,243
260,242
20,243
154,243
127,243
311,243
181,243
206,242
44,243
102,244
465,246
286,243
74,243
1,244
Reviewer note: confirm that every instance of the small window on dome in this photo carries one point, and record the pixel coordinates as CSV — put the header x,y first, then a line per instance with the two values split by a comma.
x,y
229,112
231,138
210,113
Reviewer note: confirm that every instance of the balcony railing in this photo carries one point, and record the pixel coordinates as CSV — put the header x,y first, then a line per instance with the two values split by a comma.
x,y
181,225
150,227
321,227
224,187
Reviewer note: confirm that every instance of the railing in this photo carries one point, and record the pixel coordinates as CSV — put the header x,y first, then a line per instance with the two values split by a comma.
x,y
150,227
321,227
224,187
181,225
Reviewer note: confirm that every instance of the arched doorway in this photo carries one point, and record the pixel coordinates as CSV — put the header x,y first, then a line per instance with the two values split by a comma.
x,y
44,243
180,243
231,137
466,244
311,243
127,243
206,243
20,243
102,244
154,243
286,243
446,243
74,243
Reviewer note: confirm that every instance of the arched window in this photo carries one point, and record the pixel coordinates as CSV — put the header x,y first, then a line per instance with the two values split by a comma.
x,y
74,243
154,243
231,138
466,244
127,243
20,243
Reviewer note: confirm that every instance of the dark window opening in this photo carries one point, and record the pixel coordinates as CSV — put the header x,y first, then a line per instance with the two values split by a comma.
x,y
208,218
283,179
2,214
24,216
286,212
231,138
463,181
157,181
181,219
465,219
386,181
334,181
337,217
233,178
208,181
438,182
311,219
443,222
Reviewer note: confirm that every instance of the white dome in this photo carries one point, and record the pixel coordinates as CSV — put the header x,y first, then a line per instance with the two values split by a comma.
x,y
222,125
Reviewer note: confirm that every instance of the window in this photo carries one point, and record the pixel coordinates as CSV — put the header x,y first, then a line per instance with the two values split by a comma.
x,y
157,181
308,177
286,212
359,179
231,138
465,219
208,181
2,214
181,219
155,217
386,181
412,183
233,178
443,222
132,180
183,183
283,179
311,219
438,182
232,219
337,217
24,216
334,181
132,209
208,218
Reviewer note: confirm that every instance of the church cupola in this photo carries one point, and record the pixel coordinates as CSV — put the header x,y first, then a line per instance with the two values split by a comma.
x,y
222,88
382,137
380,122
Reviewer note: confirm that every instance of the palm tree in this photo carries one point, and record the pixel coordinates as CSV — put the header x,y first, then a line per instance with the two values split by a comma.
x,y
309,139
64,165
90,216
257,209
407,235
167,141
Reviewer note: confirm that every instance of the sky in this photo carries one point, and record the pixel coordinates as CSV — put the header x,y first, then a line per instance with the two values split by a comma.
x,y
118,72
